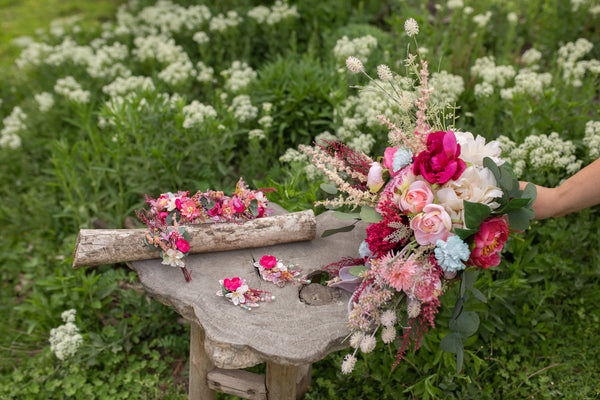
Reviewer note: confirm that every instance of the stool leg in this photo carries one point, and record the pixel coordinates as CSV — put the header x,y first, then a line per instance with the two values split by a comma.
x,y
281,381
200,365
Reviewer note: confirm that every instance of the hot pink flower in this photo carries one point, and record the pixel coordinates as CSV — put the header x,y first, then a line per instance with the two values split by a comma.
x,y
417,196
440,162
268,261
489,241
182,245
215,211
432,224
375,177
237,205
232,284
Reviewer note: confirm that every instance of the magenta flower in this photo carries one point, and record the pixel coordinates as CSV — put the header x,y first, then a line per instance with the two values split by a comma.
x,y
268,261
440,162
232,284
182,245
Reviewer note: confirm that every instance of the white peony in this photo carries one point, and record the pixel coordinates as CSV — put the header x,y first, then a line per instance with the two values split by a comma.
x,y
474,150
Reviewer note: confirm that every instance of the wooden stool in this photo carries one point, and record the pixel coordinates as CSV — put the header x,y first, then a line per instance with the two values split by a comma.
x,y
301,326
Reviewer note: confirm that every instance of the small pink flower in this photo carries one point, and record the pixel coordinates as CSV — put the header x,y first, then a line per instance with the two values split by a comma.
x,y
232,284
375,177
182,245
401,274
268,261
388,160
431,225
417,196
489,242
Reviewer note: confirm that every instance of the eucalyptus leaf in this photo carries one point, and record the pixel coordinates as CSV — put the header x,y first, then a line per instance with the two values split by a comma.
x,y
520,219
330,232
466,324
530,192
451,343
458,307
328,188
478,295
368,214
460,356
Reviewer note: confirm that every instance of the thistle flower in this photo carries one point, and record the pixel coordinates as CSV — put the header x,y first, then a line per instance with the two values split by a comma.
x,y
388,318
367,344
411,27
348,364
388,334
355,339
354,64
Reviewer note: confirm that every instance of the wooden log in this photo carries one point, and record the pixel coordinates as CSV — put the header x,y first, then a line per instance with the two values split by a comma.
x,y
109,246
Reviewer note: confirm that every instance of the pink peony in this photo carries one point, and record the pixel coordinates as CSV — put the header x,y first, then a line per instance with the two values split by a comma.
x,y
431,225
375,177
440,162
182,245
268,261
489,241
417,196
232,284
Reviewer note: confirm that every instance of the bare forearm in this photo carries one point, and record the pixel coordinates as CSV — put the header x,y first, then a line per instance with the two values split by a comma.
x,y
580,191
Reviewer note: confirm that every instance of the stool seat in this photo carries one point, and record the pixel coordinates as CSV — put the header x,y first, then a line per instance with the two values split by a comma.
x,y
287,332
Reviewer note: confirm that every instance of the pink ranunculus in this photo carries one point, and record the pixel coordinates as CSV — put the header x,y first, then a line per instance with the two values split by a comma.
x,y
232,284
431,225
182,245
237,205
375,177
489,241
268,261
440,162
417,196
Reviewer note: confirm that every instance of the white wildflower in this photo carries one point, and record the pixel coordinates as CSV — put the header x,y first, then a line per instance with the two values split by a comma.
x,y
388,318
359,47
71,89
448,87
13,124
201,37
195,113
65,339
178,73
592,138
530,57
124,86
257,134
205,73
483,90
239,76
265,121
385,73
411,27
356,339
512,17
259,13
281,11
481,20
243,109
221,23
455,4
45,101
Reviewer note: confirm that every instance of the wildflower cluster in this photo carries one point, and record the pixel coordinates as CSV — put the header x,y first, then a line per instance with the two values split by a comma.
x,y
66,339
13,124
439,202
171,211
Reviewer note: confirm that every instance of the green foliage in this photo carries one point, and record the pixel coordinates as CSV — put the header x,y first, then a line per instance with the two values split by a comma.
x,y
90,165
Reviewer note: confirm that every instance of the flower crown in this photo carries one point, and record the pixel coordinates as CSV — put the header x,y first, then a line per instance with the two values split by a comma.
x,y
171,211
236,290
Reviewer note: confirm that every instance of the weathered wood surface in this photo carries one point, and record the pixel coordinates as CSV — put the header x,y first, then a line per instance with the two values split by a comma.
x,y
287,331
108,246
238,382
200,366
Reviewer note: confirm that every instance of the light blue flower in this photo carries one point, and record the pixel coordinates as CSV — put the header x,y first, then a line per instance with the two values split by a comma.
x,y
449,253
364,250
402,158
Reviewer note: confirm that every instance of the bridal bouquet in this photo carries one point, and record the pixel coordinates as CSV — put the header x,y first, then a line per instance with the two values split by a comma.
x,y
440,203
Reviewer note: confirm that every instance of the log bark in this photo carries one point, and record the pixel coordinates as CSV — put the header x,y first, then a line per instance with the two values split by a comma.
x,y
108,246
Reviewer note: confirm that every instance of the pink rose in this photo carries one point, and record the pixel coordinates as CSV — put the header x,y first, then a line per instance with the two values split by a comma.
x,y
188,209
215,211
489,241
417,196
432,224
440,162
375,177
182,245
232,284
268,261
